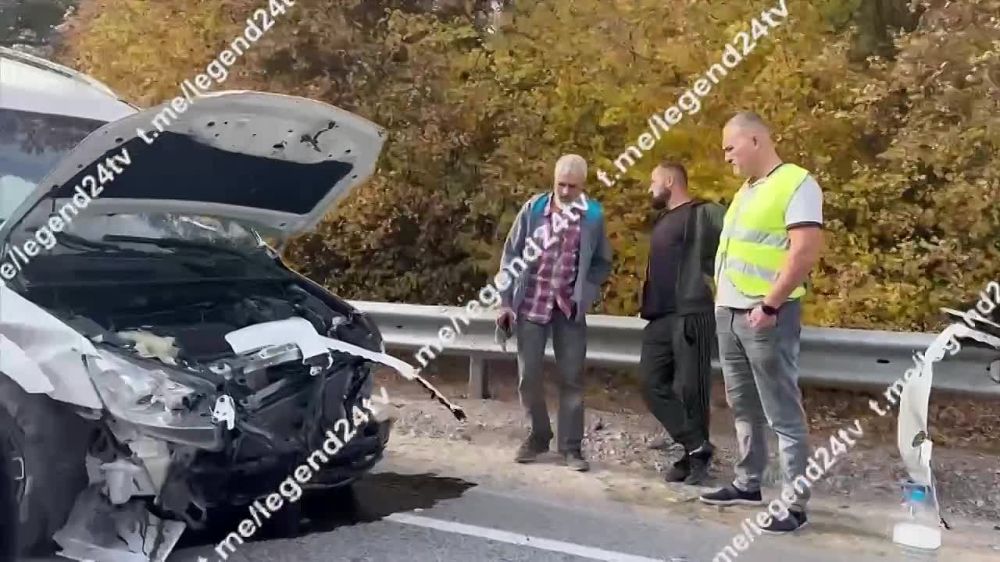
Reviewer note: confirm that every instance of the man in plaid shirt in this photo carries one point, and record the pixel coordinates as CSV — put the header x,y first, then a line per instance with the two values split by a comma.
x,y
557,254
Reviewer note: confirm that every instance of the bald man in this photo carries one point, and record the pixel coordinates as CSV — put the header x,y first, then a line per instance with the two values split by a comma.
x,y
771,240
558,254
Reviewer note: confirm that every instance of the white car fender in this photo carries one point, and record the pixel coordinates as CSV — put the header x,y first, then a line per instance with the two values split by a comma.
x,y
42,354
16,364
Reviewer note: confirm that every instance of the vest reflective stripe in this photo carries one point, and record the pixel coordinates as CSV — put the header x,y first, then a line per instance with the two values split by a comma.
x,y
765,257
743,268
775,240
754,242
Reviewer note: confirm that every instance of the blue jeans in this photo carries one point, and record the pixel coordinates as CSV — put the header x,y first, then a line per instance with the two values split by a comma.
x,y
761,372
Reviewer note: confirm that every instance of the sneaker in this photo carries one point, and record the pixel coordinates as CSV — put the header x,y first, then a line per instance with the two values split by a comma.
x,y
700,459
575,460
530,449
795,521
679,471
698,472
731,495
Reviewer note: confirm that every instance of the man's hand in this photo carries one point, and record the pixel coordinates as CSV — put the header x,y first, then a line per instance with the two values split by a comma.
x,y
505,319
760,320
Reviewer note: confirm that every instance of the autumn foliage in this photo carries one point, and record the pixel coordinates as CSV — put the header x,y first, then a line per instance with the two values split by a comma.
x,y
896,111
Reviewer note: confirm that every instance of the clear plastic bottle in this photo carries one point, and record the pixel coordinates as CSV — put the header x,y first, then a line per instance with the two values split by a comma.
x,y
918,531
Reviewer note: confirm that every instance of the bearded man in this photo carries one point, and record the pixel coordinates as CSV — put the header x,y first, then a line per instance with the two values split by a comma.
x,y
678,303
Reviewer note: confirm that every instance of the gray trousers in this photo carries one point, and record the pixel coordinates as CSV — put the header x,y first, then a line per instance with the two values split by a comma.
x,y
761,373
569,342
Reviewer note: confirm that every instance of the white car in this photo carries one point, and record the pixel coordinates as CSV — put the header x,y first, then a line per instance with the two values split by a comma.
x,y
158,361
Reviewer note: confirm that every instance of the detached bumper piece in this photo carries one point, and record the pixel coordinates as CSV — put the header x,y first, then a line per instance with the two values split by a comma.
x,y
98,530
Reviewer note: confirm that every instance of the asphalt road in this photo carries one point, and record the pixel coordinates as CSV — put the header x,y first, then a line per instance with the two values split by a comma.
x,y
422,517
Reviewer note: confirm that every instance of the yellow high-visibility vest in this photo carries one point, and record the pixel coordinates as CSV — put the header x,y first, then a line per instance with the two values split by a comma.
x,y
754,241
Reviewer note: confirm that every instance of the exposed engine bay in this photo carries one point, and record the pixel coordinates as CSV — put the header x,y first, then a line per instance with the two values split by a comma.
x,y
214,390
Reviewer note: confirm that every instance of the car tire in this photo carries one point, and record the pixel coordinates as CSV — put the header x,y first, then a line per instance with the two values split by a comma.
x,y
44,446
8,506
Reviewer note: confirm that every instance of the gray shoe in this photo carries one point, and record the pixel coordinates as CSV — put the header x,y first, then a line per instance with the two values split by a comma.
x,y
530,449
575,460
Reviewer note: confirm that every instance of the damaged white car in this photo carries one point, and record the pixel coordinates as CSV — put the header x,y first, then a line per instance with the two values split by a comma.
x,y
158,361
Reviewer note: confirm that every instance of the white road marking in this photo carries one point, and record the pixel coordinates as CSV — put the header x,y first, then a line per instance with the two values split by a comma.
x,y
517,538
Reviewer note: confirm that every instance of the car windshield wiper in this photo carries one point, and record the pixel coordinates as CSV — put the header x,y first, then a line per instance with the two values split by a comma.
x,y
81,243
174,243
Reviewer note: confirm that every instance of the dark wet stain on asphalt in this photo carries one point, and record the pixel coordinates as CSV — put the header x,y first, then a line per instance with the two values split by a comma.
x,y
370,499
382,494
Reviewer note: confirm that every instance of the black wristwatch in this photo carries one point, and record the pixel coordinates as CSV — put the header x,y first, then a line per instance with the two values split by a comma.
x,y
768,310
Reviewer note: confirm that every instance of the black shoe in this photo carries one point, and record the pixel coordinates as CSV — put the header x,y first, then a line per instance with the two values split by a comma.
x,y
575,460
731,495
679,471
698,472
530,449
706,449
795,521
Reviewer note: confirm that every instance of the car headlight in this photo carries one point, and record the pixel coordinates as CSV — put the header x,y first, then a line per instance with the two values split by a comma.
x,y
152,394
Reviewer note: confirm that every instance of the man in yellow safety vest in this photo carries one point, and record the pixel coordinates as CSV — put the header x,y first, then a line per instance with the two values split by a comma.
x,y
771,239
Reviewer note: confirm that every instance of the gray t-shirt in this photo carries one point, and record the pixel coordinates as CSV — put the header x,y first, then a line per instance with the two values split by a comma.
x,y
805,207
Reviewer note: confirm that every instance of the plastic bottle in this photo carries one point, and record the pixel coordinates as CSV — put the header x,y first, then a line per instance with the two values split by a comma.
x,y
918,530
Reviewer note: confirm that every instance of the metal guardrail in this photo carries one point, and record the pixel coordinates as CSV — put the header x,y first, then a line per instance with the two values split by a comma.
x,y
832,357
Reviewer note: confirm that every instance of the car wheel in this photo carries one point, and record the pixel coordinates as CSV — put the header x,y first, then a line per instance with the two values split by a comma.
x,y
44,453
8,505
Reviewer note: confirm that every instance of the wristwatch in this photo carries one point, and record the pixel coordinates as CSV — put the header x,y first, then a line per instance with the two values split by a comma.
x,y
768,310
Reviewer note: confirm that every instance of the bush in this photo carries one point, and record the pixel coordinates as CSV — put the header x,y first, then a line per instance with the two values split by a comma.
x,y
901,131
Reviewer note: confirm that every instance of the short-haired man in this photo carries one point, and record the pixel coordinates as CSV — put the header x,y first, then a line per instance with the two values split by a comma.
x,y
558,253
677,302
771,239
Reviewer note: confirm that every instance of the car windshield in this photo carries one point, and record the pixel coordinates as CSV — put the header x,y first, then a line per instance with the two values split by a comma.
x,y
162,233
31,144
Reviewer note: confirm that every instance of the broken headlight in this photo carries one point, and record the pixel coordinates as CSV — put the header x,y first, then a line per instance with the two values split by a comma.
x,y
147,392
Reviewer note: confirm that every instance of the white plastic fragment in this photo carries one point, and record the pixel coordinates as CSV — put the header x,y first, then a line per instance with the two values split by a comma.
x,y
914,446
301,332
224,411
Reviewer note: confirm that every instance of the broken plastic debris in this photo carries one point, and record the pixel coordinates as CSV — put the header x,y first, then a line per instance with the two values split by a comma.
x,y
149,345
302,333
225,411
97,530
124,480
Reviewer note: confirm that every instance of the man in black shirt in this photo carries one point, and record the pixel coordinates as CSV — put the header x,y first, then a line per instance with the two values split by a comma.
x,y
678,303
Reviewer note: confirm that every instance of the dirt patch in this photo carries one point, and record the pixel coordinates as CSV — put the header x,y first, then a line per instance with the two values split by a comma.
x,y
619,431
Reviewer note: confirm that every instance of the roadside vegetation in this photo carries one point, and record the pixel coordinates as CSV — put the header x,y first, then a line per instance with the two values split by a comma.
x,y
897,111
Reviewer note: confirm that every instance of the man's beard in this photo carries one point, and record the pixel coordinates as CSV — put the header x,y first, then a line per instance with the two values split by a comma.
x,y
659,203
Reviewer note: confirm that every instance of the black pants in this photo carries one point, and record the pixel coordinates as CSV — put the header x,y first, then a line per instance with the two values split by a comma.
x,y
676,368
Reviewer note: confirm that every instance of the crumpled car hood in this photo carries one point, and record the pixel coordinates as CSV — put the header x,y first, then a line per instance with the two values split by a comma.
x,y
278,162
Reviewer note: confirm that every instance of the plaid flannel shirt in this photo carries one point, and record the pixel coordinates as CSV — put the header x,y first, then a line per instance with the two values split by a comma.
x,y
552,283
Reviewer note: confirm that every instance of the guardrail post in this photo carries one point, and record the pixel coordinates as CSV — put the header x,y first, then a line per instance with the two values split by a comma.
x,y
479,386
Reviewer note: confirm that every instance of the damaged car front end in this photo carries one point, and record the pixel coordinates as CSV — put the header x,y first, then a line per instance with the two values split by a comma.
x,y
158,361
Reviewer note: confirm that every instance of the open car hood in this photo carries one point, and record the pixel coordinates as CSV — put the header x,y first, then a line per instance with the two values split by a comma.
x,y
277,162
